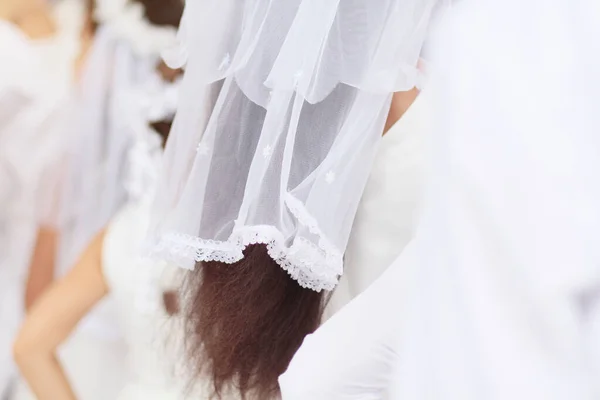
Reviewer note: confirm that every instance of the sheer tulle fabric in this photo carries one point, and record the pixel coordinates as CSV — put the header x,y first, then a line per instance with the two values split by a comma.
x,y
282,109
105,162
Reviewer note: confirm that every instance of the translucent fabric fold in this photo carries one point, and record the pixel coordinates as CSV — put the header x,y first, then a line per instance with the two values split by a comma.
x,y
281,110
85,189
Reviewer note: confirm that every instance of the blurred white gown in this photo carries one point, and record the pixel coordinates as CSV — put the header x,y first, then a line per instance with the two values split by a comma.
x,y
137,285
389,208
96,347
34,90
498,295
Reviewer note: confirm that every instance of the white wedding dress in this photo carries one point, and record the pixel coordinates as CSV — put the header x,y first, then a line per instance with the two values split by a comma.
x,y
497,296
152,368
96,348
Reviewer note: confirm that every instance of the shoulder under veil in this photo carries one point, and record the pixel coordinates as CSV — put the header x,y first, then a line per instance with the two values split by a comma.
x,y
281,110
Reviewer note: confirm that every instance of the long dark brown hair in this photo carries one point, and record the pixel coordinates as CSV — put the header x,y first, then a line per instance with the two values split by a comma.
x,y
245,321
163,12
158,12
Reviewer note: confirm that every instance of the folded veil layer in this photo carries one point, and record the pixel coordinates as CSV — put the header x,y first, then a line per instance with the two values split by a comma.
x,y
281,111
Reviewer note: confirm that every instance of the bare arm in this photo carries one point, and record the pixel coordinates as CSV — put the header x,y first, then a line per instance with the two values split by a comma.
x,y
41,269
51,320
400,103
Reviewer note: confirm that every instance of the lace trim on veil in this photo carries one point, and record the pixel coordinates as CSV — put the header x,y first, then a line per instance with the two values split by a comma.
x,y
314,267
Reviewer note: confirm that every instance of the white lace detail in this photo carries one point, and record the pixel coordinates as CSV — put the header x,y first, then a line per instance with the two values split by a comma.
x,y
313,267
297,209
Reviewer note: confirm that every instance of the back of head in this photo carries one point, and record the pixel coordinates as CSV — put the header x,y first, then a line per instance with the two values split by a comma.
x,y
245,322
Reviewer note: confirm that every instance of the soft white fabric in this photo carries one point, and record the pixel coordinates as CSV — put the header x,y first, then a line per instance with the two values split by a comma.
x,y
136,287
150,370
137,284
18,78
98,340
138,95
389,208
34,87
117,87
90,183
283,104
386,223
513,211
83,186
499,299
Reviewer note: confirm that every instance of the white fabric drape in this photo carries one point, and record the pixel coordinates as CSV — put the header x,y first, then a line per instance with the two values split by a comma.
x,y
513,212
92,178
88,182
499,297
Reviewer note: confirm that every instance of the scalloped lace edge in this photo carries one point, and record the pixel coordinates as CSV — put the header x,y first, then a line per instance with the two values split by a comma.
x,y
311,266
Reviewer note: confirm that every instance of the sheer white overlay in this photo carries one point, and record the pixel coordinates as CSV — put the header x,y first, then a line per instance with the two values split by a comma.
x,y
88,186
282,109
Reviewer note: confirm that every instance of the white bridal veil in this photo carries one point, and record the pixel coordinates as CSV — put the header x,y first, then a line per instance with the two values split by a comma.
x,y
282,107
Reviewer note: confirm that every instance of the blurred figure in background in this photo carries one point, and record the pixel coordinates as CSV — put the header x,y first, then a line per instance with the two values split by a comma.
x,y
125,88
39,46
65,224
497,297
